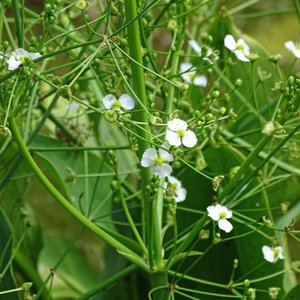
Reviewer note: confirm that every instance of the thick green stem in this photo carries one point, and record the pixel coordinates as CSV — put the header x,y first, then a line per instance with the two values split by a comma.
x,y
159,282
66,204
139,87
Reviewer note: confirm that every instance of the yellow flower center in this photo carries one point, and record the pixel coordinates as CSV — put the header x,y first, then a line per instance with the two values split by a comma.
x,y
159,160
298,47
222,215
180,132
240,48
117,105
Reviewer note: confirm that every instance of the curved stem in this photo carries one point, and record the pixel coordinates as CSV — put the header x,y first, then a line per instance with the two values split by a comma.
x,y
66,204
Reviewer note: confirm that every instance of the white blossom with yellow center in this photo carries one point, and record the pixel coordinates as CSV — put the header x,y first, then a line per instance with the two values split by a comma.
x,y
220,214
17,58
178,134
157,161
239,48
125,102
173,188
272,254
188,74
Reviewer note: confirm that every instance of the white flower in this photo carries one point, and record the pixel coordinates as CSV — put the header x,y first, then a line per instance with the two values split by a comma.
x,y
18,56
220,214
124,102
158,162
239,48
210,56
174,189
272,254
178,134
294,48
188,74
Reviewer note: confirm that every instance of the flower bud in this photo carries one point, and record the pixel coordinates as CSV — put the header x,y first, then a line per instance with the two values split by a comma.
x,y
273,292
216,182
238,82
81,4
275,58
246,282
4,131
268,129
172,25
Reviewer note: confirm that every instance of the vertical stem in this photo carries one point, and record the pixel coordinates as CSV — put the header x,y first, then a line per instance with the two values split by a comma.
x,y
139,87
160,278
19,22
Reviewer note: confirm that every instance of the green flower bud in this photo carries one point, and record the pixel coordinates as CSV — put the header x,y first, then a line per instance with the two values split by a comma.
x,y
111,116
235,263
4,131
65,92
204,234
222,111
275,58
268,129
81,4
209,117
251,294
273,292
253,57
290,81
152,120
246,282
216,182
172,25
238,82
215,94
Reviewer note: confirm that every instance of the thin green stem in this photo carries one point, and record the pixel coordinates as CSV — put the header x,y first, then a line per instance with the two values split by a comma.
x,y
128,215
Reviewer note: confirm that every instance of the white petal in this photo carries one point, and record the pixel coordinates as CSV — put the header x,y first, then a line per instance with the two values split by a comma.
x,y
280,252
290,45
229,42
240,55
181,195
200,80
177,124
173,138
268,254
13,63
127,102
163,171
188,77
213,212
34,55
228,214
148,157
225,225
195,46
165,154
20,52
109,100
185,67
245,47
174,180
189,139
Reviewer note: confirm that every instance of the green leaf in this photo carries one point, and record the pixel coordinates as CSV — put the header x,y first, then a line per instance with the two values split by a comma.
x,y
293,294
73,276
